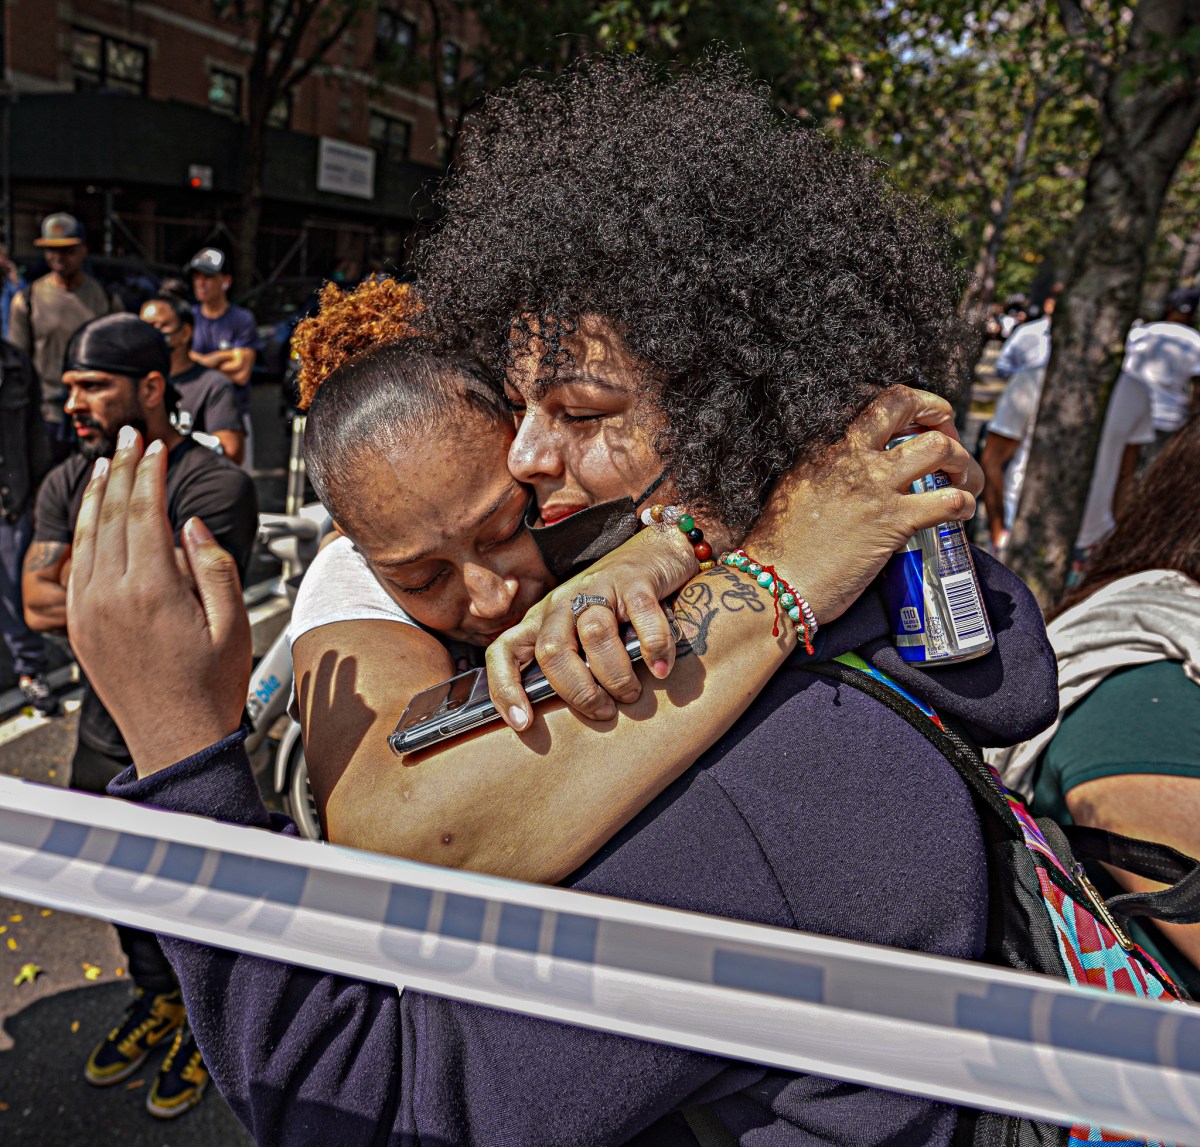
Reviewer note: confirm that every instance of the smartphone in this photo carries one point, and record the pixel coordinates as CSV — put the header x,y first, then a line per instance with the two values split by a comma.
x,y
463,703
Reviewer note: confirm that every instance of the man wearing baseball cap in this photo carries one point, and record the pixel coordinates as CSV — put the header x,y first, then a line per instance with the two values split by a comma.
x,y
116,373
45,315
225,336
1165,357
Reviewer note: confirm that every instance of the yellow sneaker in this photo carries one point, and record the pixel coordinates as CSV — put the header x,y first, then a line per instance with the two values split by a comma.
x,y
181,1080
147,1022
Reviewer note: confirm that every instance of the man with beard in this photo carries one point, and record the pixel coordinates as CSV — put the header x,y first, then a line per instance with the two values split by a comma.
x,y
115,372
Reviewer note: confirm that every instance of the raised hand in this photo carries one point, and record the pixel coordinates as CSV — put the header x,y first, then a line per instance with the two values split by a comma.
x,y
167,651
830,525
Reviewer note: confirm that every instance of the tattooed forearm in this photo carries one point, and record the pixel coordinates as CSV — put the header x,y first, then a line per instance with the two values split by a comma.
x,y
741,594
695,612
700,602
43,556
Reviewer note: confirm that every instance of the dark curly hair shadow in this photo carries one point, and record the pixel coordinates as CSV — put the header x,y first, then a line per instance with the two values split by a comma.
x,y
772,280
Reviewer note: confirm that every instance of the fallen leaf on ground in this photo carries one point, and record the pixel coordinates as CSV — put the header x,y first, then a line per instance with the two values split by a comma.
x,y
3,929
53,773
27,975
135,1083
91,972
3,1106
120,971
74,1026
47,912
15,919
12,944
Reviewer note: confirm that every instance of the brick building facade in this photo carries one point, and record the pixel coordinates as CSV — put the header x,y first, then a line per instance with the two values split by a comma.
x,y
130,113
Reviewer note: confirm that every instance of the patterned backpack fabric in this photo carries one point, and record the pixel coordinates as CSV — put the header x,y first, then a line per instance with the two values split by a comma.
x,y
1044,913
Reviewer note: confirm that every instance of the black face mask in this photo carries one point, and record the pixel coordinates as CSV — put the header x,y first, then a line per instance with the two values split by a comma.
x,y
569,546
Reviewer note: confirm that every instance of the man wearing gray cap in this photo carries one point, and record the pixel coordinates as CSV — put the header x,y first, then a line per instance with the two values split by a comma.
x,y
45,315
225,336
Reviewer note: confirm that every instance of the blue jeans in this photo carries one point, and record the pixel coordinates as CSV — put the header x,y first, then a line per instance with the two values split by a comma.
x,y
26,647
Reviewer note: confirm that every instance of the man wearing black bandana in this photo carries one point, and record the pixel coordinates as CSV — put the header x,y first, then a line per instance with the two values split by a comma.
x,y
116,371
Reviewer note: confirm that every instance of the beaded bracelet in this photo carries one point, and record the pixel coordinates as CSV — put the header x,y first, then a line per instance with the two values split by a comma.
x,y
678,516
798,610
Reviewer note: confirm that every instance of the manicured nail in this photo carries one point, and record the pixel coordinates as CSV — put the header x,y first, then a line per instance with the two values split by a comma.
x,y
155,447
659,668
517,718
126,438
100,470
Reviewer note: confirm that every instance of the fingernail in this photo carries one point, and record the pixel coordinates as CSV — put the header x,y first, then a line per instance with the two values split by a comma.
x,y
155,447
517,718
100,469
607,713
126,438
659,668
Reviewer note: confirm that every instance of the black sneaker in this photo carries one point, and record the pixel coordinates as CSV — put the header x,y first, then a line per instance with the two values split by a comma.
x,y
39,695
146,1023
181,1080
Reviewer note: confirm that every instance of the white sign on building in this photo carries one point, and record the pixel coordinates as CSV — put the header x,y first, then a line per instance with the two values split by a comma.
x,y
345,168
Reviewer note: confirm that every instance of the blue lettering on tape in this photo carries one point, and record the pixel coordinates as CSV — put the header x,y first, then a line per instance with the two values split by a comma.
x,y
62,844
462,917
575,938
519,928
769,976
1002,1010
1102,1028
408,907
130,873
415,946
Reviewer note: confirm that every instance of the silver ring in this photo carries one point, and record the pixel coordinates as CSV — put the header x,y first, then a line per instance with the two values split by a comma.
x,y
582,601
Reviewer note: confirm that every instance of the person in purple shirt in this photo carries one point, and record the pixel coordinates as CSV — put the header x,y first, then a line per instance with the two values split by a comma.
x,y
805,813
225,336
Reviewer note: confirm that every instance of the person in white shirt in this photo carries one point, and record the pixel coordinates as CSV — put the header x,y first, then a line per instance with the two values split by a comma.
x,y
1165,356
1029,344
1128,426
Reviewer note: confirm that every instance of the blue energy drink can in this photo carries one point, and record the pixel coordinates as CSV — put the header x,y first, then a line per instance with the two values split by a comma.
x,y
932,592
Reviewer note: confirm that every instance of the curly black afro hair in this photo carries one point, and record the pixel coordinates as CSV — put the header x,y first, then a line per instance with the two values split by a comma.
x,y
773,281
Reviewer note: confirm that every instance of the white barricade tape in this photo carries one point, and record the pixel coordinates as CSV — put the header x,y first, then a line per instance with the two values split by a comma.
x,y
952,1030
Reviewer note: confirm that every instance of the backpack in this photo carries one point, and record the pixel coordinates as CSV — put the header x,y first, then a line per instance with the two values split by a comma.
x,y
1044,914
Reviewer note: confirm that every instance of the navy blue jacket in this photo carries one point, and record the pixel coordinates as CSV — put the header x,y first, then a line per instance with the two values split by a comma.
x,y
819,810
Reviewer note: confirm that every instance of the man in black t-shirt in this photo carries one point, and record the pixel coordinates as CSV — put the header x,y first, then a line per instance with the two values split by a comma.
x,y
116,376
208,401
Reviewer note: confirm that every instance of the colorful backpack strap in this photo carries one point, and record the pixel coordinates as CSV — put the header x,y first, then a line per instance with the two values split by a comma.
x,y
1179,903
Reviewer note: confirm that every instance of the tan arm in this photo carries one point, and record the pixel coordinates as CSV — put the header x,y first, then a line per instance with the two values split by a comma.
x,y
43,586
997,453
1146,806
233,442
1126,478
533,805
236,363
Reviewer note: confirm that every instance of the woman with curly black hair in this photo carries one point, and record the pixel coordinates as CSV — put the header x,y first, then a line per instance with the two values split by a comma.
x,y
769,282
672,280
